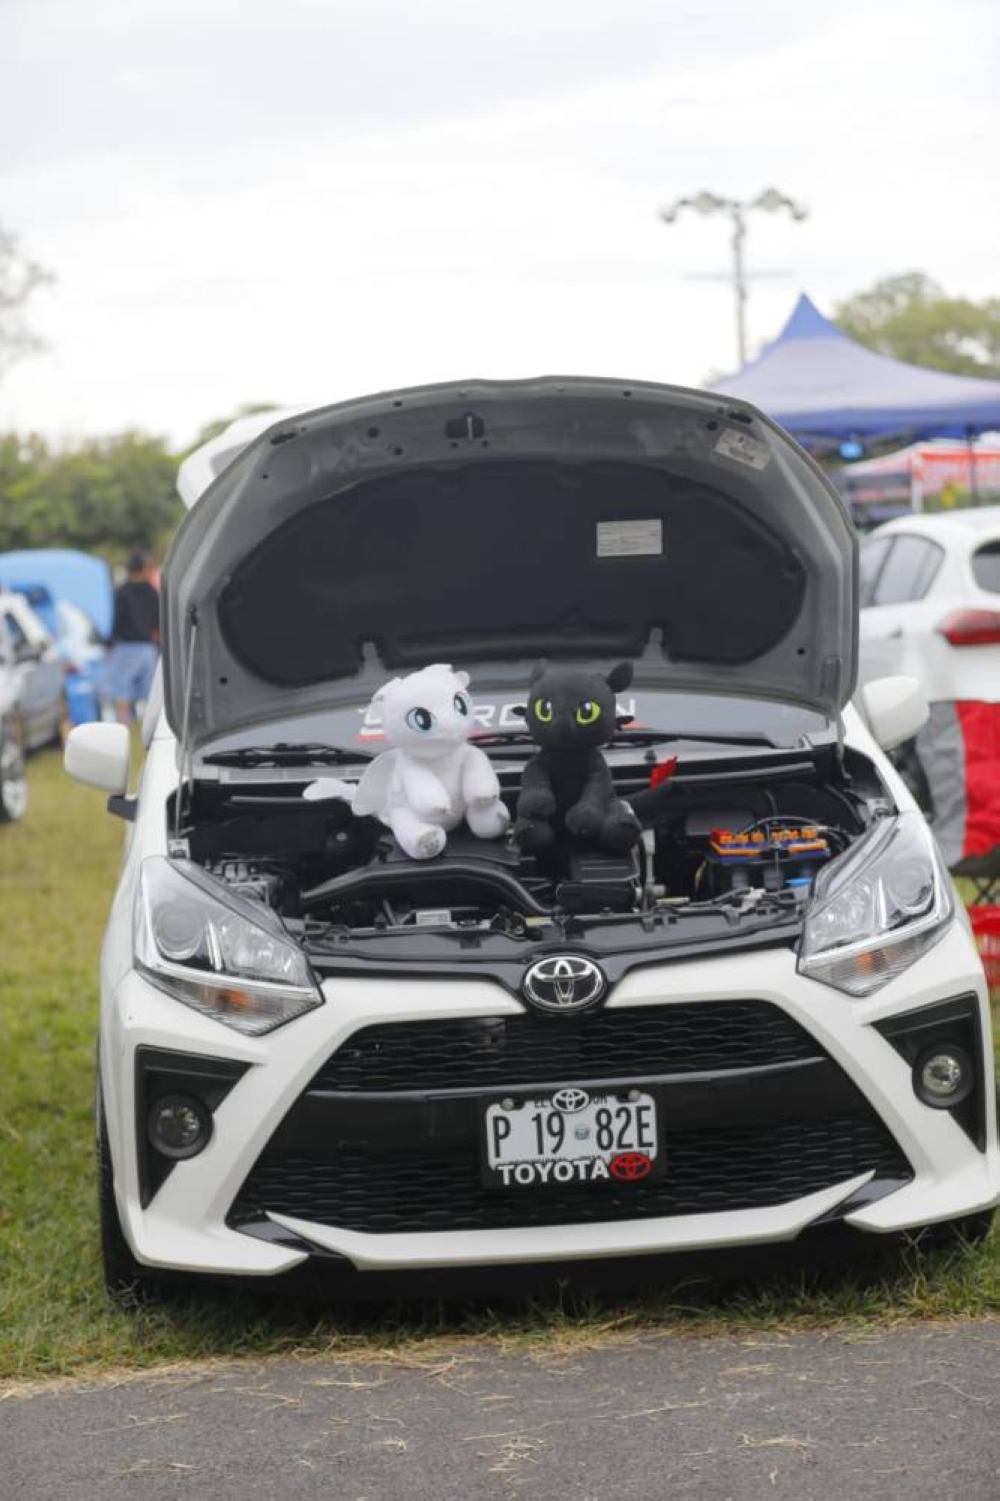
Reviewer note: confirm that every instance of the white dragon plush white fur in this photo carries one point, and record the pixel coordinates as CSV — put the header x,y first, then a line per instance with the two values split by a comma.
x,y
431,778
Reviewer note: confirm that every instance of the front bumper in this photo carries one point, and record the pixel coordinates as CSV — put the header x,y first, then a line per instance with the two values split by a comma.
x,y
189,1223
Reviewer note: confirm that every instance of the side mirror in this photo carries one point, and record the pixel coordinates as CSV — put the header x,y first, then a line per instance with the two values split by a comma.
x,y
895,709
100,756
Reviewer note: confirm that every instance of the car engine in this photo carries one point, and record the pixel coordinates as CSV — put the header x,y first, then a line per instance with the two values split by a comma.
x,y
752,850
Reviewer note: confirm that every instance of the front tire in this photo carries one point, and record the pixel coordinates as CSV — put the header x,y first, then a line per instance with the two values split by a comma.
x,y
13,773
123,1276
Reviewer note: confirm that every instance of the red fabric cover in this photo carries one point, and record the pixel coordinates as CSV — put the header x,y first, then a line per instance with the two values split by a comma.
x,y
981,736
663,772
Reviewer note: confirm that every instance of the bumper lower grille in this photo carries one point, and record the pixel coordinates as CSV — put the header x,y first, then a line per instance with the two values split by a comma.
x,y
708,1170
506,1051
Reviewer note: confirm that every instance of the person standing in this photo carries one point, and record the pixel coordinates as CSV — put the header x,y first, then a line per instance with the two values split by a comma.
x,y
135,637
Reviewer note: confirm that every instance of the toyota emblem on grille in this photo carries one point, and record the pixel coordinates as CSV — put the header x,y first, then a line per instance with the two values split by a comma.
x,y
564,982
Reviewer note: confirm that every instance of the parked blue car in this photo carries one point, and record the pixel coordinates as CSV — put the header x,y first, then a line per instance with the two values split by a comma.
x,y
72,593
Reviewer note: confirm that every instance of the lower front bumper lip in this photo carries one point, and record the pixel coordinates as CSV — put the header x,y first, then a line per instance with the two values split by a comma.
x,y
928,1201
408,1251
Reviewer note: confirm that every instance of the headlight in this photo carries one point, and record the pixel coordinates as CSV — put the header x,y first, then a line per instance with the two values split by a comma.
x,y
877,909
224,955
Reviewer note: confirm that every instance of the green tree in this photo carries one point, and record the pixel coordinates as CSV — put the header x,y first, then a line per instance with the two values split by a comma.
x,y
106,495
911,318
19,278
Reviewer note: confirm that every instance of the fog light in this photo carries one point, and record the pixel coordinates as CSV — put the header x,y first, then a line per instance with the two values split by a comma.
x,y
942,1076
179,1125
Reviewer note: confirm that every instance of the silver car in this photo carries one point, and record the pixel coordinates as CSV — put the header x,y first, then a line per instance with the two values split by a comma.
x,y
32,698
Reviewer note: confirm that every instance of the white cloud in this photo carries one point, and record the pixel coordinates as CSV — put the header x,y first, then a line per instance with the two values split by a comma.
x,y
300,256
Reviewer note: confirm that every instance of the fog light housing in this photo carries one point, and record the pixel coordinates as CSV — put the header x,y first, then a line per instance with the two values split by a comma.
x,y
943,1076
179,1125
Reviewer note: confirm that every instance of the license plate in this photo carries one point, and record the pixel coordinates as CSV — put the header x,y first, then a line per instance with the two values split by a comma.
x,y
569,1137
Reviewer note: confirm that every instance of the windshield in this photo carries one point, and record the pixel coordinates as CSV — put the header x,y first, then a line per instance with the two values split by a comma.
x,y
675,714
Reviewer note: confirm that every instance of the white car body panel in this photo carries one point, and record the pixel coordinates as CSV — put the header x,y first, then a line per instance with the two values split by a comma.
x,y
184,1228
700,1232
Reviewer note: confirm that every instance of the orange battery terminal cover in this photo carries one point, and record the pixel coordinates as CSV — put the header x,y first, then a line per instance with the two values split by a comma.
x,y
730,846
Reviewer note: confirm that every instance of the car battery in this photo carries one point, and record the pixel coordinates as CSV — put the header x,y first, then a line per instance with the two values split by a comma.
x,y
769,855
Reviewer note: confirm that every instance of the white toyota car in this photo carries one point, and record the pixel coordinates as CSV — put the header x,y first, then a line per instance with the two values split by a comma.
x,y
769,1017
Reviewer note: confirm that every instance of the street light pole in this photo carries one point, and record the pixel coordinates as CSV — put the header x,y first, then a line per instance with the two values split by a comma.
x,y
739,279
710,203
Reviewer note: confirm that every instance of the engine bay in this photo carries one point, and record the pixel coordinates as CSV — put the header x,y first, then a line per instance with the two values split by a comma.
x,y
737,848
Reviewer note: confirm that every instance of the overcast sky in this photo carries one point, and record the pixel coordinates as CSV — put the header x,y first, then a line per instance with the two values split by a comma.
x,y
304,200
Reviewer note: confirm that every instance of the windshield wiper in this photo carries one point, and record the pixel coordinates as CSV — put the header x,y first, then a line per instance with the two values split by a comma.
x,y
287,753
748,737
626,736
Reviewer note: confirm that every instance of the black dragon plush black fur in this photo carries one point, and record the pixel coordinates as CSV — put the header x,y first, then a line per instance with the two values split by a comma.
x,y
567,790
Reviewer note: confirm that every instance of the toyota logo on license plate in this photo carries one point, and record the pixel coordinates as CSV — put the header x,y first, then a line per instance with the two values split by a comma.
x,y
569,1101
564,983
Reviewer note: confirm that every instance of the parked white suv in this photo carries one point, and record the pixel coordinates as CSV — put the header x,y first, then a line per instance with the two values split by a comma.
x,y
930,607
770,1017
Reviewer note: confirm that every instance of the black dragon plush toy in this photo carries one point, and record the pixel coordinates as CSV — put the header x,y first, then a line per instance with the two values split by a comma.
x,y
567,787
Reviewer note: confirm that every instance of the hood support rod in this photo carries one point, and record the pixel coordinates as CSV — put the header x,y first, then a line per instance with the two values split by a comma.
x,y
185,758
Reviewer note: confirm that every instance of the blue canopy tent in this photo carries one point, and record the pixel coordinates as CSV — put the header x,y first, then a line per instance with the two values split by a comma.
x,y
824,388
48,574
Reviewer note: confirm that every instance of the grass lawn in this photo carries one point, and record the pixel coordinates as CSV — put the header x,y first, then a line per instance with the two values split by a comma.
x,y
57,872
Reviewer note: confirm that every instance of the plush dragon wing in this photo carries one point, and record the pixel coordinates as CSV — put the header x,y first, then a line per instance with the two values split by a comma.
x,y
373,789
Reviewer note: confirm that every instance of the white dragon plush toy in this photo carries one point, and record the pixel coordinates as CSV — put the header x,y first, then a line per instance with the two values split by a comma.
x,y
431,778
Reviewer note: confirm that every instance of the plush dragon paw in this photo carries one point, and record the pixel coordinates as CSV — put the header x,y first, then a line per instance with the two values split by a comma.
x,y
488,819
619,830
534,835
537,802
583,821
423,842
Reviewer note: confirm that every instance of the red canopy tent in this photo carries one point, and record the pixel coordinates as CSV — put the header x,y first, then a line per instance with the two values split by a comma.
x,y
928,476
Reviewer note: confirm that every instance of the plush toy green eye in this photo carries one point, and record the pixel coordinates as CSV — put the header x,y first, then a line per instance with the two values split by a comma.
x,y
422,720
588,712
543,710
462,705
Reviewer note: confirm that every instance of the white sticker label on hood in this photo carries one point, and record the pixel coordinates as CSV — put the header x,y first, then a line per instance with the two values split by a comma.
x,y
735,445
630,539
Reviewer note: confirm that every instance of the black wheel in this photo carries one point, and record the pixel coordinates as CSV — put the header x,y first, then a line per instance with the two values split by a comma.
x,y
13,775
123,1276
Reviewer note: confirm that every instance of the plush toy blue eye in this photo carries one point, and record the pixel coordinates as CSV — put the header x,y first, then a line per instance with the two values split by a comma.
x,y
462,704
421,719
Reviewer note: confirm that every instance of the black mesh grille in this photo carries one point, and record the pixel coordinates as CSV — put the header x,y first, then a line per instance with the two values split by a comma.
x,y
707,1170
512,1050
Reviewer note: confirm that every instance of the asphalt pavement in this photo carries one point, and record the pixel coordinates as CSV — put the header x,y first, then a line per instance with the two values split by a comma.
x,y
912,1412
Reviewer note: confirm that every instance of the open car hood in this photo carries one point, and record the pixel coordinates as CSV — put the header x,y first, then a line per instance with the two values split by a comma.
x,y
492,523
